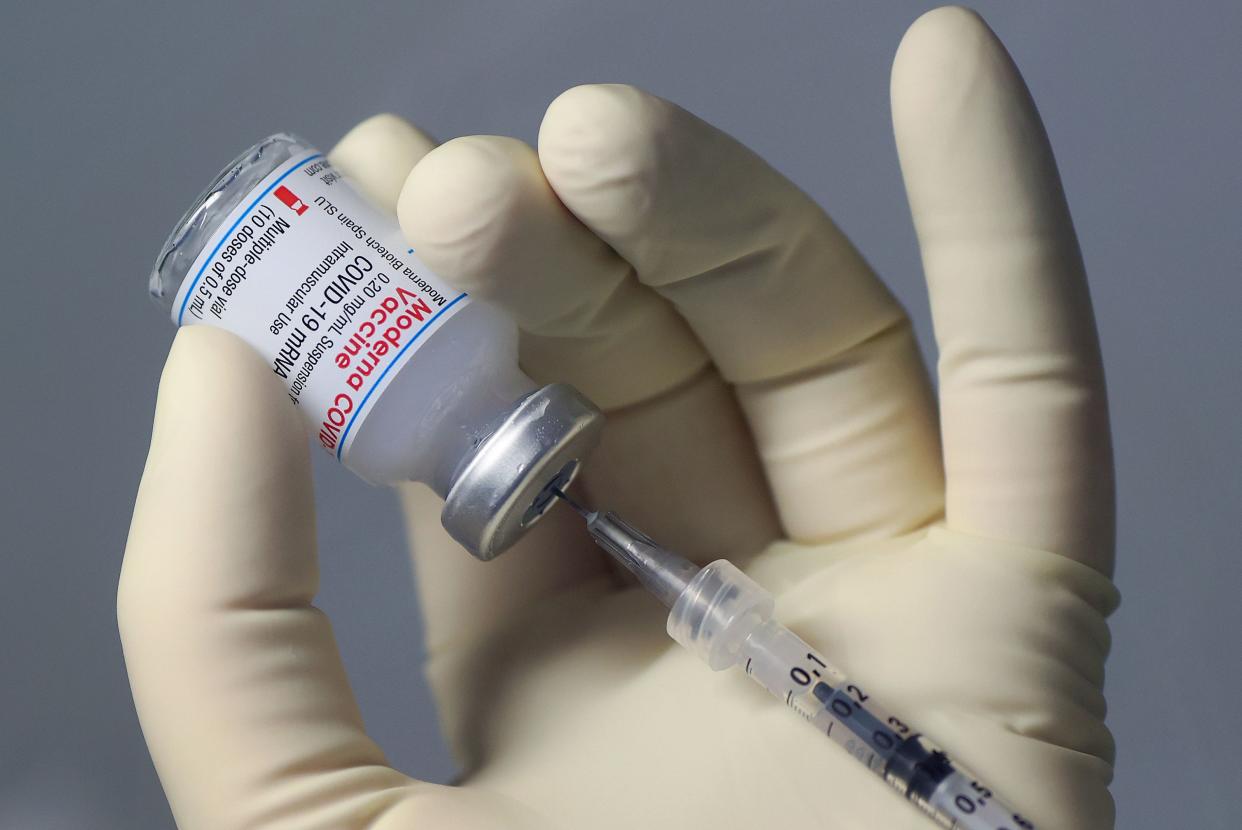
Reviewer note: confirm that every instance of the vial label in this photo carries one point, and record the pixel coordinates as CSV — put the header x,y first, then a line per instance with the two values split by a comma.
x,y
323,284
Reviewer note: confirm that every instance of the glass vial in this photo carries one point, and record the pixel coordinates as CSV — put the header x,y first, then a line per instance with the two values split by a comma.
x,y
397,375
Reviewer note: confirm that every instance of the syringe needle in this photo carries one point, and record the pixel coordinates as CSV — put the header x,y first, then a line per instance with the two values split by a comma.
x,y
579,509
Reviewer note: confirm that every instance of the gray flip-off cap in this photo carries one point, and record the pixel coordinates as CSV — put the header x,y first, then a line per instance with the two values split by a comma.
x,y
505,485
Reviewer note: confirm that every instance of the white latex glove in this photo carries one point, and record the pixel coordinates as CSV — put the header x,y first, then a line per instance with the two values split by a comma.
x,y
766,403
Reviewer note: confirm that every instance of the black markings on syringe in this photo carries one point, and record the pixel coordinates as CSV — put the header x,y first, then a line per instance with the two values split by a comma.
x,y
846,705
803,676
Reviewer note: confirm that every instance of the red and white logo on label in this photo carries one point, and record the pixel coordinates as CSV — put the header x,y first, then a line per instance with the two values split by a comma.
x,y
287,196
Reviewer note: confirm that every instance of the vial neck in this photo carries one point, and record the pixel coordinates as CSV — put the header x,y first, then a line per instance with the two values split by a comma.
x,y
470,412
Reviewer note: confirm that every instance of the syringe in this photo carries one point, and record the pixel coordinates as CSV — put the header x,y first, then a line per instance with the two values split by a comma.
x,y
725,617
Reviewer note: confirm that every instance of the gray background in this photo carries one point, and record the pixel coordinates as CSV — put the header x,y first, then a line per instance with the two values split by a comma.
x,y
114,119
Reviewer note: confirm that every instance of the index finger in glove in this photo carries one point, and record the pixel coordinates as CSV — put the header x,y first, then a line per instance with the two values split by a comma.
x,y
1025,423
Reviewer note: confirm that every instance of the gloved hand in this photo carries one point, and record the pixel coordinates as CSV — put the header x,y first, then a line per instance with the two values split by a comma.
x,y
766,403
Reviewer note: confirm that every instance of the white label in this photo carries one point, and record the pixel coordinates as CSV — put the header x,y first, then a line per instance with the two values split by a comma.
x,y
324,286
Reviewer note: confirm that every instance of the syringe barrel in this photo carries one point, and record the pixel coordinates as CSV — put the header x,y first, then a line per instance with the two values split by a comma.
x,y
717,611
723,616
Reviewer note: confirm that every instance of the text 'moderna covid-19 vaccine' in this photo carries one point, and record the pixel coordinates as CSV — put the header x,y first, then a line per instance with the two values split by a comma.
x,y
397,375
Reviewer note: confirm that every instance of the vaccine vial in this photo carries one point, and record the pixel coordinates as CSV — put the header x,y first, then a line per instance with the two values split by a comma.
x,y
397,375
